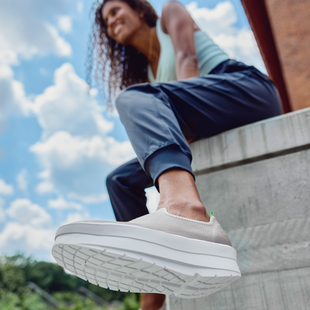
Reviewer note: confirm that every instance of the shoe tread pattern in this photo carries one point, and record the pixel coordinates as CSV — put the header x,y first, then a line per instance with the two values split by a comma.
x,y
127,274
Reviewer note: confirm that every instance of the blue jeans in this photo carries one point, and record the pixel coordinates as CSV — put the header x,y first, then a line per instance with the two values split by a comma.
x,y
159,117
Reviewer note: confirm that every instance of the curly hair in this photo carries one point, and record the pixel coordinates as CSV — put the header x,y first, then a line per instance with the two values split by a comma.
x,y
112,65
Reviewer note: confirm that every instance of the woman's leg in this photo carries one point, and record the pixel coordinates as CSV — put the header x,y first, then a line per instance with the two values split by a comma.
x,y
152,301
126,186
158,117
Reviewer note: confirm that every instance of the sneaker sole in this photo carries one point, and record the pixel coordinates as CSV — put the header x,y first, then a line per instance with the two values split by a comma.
x,y
140,260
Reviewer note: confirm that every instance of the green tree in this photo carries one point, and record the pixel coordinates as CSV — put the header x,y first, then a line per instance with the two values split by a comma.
x,y
9,301
12,278
74,301
131,302
30,301
17,270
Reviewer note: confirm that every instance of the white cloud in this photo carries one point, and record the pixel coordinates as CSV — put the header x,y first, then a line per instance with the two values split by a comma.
x,y
13,98
2,212
27,29
153,197
75,151
65,23
61,203
215,21
8,58
77,166
68,106
45,187
75,217
30,231
22,179
26,212
92,198
19,237
43,72
6,189
218,23
79,6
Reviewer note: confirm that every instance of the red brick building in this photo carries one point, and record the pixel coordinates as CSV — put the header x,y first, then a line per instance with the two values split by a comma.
x,y
282,31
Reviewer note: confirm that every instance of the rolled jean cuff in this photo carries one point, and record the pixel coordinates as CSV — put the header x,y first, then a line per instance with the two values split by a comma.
x,y
165,159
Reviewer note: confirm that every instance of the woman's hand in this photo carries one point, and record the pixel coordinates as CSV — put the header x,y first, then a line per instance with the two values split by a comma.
x,y
178,23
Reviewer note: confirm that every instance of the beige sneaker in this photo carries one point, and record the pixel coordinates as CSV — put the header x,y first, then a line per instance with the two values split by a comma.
x,y
181,226
157,253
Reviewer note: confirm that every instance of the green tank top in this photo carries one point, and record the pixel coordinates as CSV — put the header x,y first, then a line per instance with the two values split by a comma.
x,y
208,53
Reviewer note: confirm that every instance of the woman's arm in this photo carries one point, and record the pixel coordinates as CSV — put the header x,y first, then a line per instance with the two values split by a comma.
x,y
178,23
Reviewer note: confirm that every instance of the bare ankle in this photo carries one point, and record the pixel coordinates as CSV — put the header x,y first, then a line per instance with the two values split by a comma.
x,y
179,195
194,211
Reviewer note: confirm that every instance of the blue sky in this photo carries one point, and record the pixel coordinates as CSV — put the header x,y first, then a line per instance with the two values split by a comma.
x,y
57,144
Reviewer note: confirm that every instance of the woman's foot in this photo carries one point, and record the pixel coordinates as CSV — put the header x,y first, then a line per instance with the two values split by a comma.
x,y
151,301
179,195
177,250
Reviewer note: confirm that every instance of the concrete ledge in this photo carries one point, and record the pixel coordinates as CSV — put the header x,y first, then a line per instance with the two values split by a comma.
x,y
256,179
259,193
265,139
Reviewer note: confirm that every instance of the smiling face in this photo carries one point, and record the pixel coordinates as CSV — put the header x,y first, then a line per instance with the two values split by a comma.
x,y
121,20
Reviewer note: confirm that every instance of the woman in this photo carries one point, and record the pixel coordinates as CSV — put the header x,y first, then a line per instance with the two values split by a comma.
x,y
196,91
226,94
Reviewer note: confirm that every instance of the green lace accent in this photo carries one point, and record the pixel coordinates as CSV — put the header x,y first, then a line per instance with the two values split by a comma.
x,y
211,213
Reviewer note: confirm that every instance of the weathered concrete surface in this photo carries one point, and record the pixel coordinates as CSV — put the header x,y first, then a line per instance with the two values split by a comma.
x,y
264,206
256,179
278,290
268,138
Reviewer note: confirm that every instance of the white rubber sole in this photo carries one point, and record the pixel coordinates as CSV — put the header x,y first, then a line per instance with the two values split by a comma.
x,y
136,259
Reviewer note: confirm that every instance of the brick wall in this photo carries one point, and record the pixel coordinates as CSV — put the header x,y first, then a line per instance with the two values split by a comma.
x,y
290,23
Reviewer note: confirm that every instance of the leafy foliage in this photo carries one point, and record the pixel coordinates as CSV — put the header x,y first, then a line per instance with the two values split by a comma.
x,y
12,278
131,302
17,270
